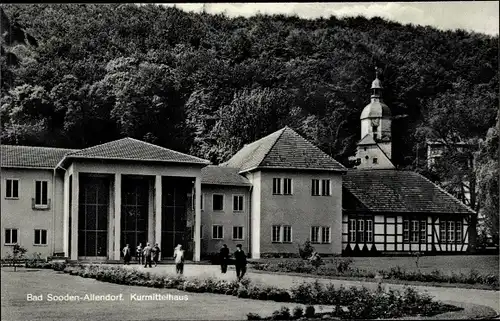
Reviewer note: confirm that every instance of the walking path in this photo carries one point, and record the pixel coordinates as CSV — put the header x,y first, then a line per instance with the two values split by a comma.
x,y
471,296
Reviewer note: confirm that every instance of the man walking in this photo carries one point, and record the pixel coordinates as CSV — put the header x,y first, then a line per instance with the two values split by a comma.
x,y
240,262
224,258
147,255
156,254
179,259
126,254
138,254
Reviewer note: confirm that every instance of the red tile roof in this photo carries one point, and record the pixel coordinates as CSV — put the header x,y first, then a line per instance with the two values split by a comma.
x,y
133,149
219,175
400,191
283,149
31,156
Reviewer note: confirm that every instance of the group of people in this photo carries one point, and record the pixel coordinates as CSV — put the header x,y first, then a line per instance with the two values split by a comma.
x,y
148,254
145,255
240,260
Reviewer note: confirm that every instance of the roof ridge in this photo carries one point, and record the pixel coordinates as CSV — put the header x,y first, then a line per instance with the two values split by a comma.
x,y
158,146
444,191
272,146
86,148
316,147
44,147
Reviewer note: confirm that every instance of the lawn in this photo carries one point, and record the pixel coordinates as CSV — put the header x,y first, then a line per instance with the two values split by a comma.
x,y
447,264
17,285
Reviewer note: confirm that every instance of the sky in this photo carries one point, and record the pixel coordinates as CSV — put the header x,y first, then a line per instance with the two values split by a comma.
x,y
478,16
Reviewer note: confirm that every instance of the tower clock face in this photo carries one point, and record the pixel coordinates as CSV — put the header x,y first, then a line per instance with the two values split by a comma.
x,y
375,121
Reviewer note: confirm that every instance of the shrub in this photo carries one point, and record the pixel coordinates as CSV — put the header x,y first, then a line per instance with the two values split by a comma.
x,y
310,311
58,266
298,312
306,251
351,303
253,316
281,314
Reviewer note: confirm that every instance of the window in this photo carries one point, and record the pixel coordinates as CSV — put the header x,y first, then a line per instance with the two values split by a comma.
x,y
287,186
12,188
218,202
352,230
315,187
315,234
375,132
414,232
11,236
406,230
41,193
325,235
237,203
375,160
276,234
442,231
361,230
217,232
40,237
423,232
287,234
369,231
325,184
459,232
237,232
451,231
276,186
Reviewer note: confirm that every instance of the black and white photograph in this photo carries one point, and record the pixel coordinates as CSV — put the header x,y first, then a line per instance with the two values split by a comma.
x,y
250,161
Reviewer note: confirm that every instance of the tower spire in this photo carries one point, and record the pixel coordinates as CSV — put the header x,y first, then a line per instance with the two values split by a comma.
x,y
376,86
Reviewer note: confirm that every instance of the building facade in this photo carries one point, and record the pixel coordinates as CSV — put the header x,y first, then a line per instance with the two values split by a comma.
x,y
271,196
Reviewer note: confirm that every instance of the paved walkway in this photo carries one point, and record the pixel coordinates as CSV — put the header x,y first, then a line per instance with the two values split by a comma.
x,y
472,296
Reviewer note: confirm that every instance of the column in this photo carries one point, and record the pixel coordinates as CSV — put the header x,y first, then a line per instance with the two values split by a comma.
x,y
158,210
66,206
197,220
74,215
118,215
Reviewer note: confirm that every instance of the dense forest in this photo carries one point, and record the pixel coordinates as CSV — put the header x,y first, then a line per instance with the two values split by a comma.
x,y
84,74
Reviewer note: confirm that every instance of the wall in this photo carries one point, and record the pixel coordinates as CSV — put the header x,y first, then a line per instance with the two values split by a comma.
x,y
18,213
372,151
300,210
227,218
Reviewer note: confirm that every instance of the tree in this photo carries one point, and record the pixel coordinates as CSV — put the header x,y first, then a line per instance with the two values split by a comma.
x,y
17,255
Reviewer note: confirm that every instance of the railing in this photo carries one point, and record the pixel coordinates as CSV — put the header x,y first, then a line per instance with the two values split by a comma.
x,y
40,207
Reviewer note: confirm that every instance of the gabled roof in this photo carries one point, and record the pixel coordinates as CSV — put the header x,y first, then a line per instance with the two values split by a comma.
x,y
32,157
223,175
136,150
400,191
367,140
283,149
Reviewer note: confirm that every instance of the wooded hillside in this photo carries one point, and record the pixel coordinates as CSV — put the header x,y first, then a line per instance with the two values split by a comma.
x,y
207,84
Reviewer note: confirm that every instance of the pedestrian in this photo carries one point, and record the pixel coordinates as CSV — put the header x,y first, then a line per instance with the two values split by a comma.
x,y
147,255
240,262
224,258
126,254
179,259
156,254
138,254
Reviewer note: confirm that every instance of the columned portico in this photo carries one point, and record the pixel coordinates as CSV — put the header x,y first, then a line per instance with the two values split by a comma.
x,y
74,214
197,220
118,215
158,209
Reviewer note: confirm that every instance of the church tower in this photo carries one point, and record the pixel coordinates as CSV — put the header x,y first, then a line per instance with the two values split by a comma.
x,y
375,147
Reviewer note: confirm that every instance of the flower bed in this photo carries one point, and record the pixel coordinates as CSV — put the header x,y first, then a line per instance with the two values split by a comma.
x,y
350,303
341,267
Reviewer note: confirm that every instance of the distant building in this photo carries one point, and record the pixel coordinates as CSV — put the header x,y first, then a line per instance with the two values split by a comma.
x,y
388,210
